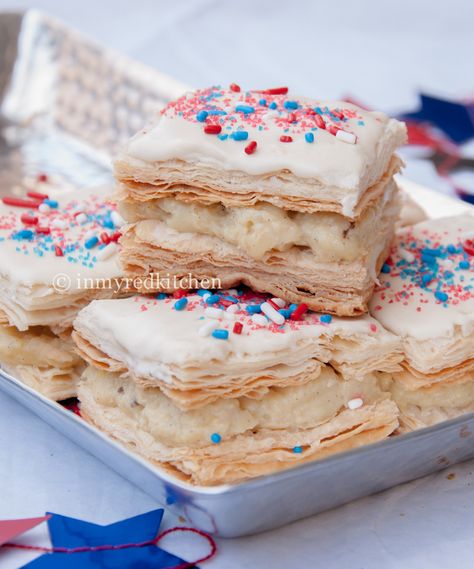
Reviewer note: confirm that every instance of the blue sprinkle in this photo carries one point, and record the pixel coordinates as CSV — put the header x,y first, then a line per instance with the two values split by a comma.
x,y
254,308
451,249
290,105
108,223
272,105
292,307
246,109
92,242
231,298
213,299
309,136
216,438
161,296
441,296
426,279
432,252
298,450
326,318
202,116
386,268
222,136
51,203
464,265
318,110
220,334
448,274
180,304
203,291
285,312
240,135
25,234
263,102
361,123
217,112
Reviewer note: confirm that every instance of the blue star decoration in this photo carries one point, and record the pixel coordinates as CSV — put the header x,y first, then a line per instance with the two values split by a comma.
x,y
72,533
455,119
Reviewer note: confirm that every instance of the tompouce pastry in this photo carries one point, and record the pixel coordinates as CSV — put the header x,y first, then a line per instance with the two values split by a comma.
x,y
288,195
219,387
57,249
426,297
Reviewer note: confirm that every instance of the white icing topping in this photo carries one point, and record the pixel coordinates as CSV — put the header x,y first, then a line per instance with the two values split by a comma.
x,y
409,307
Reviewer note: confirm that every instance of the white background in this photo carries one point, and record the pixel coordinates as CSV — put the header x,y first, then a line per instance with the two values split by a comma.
x,y
382,53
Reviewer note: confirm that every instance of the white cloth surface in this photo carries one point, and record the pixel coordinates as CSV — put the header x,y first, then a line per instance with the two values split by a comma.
x,y
379,52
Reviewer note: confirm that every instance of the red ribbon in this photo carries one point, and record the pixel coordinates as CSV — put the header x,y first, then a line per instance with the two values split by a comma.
x,y
159,537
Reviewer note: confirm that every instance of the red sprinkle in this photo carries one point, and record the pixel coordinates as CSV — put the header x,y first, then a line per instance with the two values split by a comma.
x,y
105,238
20,202
179,293
271,303
234,87
238,327
284,138
299,311
468,246
43,230
58,251
28,219
212,128
38,196
332,129
338,114
116,236
42,177
251,147
274,91
318,119
292,118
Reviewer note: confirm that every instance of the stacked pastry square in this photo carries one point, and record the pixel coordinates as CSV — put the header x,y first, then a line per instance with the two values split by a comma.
x,y
426,297
57,251
225,386
290,196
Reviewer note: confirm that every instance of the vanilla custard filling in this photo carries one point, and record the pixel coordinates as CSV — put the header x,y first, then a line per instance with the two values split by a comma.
x,y
297,407
448,395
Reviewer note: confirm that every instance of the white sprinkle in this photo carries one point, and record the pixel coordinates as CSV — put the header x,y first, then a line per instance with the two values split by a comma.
x,y
346,136
214,312
59,223
81,218
233,292
89,234
233,308
207,328
271,114
279,302
44,208
407,255
206,295
107,252
355,403
117,219
274,316
259,319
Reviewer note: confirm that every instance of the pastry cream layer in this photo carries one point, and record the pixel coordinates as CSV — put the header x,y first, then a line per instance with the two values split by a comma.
x,y
264,228
290,408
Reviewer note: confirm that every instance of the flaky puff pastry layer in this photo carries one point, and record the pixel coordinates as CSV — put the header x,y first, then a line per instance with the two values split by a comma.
x,y
41,360
142,181
257,437
435,403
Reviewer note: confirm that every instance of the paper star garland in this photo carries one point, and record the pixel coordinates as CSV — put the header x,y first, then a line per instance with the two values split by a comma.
x,y
455,119
76,544
71,533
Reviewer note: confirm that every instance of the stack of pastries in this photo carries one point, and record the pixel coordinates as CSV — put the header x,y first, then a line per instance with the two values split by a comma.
x,y
338,317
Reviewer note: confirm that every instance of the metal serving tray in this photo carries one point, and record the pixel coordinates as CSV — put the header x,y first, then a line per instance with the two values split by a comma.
x,y
65,105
